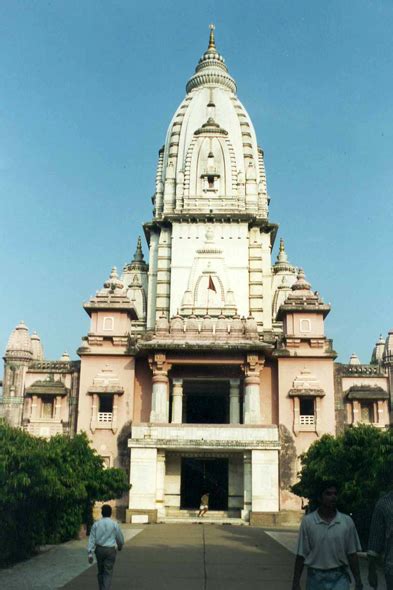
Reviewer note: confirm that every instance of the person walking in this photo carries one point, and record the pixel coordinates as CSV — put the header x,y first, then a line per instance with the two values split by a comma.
x,y
381,541
204,505
328,543
105,536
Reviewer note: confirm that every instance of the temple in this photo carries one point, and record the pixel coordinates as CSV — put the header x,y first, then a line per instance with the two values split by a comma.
x,y
207,368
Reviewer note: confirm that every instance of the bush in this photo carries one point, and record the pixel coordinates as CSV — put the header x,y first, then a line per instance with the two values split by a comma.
x,y
48,489
360,461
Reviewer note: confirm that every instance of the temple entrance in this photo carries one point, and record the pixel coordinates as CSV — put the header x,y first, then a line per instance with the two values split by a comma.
x,y
206,402
204,475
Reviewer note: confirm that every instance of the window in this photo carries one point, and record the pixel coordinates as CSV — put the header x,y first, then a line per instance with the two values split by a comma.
x,y
367,412
105,409
210,181
307,411
46,407
108,323
305,325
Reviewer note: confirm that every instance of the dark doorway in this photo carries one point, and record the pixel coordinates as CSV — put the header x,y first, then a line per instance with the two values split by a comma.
x,y
206,402
204,475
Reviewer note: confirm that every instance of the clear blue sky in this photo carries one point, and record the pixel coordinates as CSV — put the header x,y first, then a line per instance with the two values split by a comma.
x,y
87,91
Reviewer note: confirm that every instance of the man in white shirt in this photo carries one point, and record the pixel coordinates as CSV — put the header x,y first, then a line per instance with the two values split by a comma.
x,y
105,536
328,543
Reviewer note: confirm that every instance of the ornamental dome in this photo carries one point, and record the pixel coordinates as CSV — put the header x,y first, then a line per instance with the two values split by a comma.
x,y
210,162
19,343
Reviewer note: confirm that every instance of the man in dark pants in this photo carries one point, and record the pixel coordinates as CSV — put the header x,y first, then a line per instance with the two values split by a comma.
x,y
105,536
381,540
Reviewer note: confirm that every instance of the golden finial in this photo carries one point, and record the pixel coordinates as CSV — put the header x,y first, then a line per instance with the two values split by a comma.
x,y
212,44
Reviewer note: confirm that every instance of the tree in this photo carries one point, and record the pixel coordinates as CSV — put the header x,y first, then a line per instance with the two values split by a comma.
x,y
360,461
48,489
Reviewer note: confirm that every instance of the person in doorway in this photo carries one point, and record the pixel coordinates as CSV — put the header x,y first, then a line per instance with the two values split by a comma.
x,y
328,543
105,537
204,506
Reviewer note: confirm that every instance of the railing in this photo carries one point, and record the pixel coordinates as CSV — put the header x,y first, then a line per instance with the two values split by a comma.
x,y
206,436
105,416
307,420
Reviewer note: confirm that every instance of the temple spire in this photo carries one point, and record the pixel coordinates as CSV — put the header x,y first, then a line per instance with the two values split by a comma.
x,y
212,43
138,256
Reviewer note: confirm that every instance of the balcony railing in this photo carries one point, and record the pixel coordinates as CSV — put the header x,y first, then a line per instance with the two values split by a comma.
x,y
105,417
307,420
225,436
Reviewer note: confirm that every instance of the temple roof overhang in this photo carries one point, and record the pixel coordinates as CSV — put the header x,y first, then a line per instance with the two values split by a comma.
x,y
47,387
183,346
366,392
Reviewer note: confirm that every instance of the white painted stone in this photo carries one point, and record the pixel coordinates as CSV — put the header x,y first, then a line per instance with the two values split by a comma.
x,y
265,488
228,435
139,519
143,478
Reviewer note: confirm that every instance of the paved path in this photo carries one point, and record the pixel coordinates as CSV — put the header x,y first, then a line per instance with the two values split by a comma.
x,y
197,557
53,568
171,557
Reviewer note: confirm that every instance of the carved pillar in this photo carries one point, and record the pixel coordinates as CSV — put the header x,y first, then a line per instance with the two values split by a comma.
x,y
317,412
115,412
296,415
234,401
94,412
356,411
160,485
57,408
252,383
34,407
160,388
247,489
177,401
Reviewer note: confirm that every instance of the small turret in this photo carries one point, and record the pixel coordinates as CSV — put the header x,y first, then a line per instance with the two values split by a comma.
x,y
18,355
377,355
36,345
19,344
354,359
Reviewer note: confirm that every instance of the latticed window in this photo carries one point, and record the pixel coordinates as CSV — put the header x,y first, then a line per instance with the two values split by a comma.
x,y
105,409
307,411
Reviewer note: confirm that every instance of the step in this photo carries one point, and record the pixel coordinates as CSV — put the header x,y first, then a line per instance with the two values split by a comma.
x,y
176,513
202,520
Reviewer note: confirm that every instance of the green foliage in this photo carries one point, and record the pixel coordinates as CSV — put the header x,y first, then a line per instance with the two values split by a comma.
x,y
360,461
48,489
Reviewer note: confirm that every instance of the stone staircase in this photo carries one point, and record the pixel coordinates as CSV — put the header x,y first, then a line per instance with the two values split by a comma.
x,y
176,516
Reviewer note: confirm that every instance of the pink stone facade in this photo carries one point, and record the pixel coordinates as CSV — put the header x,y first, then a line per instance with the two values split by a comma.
x,y
207,367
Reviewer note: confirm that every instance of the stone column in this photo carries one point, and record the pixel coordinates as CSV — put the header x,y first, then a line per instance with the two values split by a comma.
x,y
296,415
177,401
317,414
34,407
94,412
247,486
234,401
57,408
252,387
160,389
265,487
252,405
114,412
160,485
356,412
